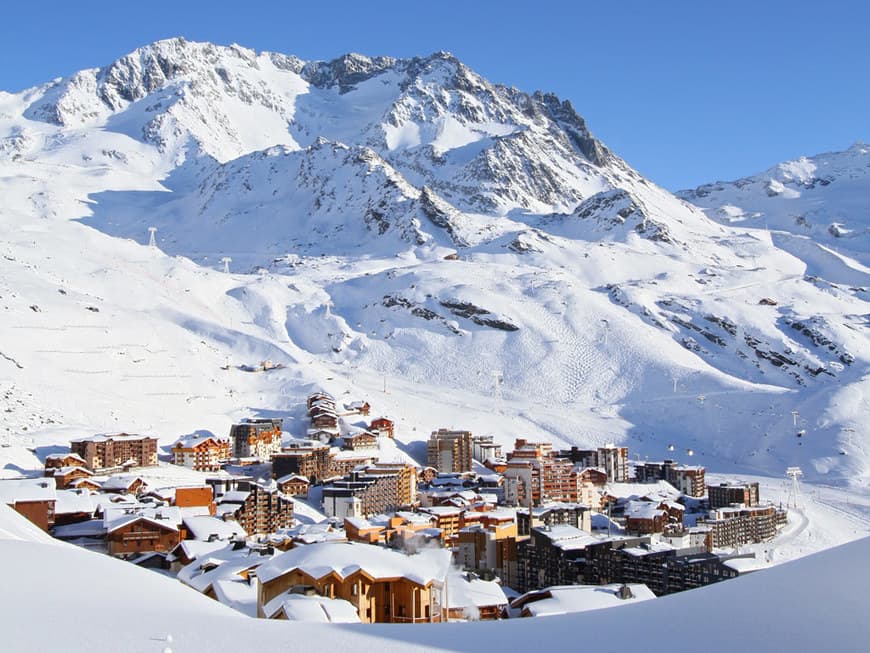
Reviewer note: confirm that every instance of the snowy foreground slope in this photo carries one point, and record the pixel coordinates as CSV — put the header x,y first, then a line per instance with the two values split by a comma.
x,y
816,603
403,225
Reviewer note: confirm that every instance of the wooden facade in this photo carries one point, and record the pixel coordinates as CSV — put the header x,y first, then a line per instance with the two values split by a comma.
x,y
143,535
377,600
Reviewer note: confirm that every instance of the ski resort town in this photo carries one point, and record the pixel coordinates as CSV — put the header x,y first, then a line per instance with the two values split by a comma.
x,y
341,525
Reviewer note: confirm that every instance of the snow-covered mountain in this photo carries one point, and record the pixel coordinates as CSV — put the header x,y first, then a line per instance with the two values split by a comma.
x,y
407,224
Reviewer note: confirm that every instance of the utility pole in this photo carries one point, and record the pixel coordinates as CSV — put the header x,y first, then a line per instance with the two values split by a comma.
x,y
226,260
152,242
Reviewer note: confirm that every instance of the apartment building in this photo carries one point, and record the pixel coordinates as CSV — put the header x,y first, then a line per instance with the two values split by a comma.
x,y
450,451
257,437
375,489
727,494
102,451
201,452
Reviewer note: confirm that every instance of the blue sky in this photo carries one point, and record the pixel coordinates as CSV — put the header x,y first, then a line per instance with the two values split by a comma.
x,y
686,92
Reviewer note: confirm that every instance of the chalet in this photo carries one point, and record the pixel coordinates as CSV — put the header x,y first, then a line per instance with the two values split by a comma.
x,y
138,533
73,506
644,517
202,452
383,427
359,408
88,484
123,484
319,397
227,575
470,598
208,528
294,485
34,498
56,460
592,475
324,419
66,477
385,586
360,440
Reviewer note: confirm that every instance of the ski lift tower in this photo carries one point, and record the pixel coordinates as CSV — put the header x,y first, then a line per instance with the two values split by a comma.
x,y
226,260
152,241
794,492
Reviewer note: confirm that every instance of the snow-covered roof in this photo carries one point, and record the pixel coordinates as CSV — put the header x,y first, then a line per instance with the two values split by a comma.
x,y
120,522
28,489
166,516
316,609
579,598
469,590
643,510
105,437
64,456
121,482
204,526
346,558
63,471
654,546
442,511
568,537
227,564
292,477
73,501
194,549
236,593
661,490
190,441
89,528
234,496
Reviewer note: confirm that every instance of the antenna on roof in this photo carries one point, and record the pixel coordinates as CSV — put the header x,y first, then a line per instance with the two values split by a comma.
x,y
152,242
226,260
